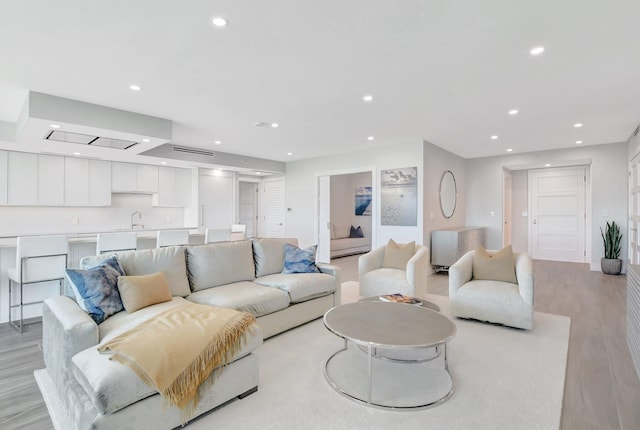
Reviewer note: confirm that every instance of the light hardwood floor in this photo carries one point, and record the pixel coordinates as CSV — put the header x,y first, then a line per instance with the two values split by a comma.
x,y
602,391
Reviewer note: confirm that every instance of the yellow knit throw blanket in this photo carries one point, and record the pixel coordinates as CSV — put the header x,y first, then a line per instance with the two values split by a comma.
x,y
176,351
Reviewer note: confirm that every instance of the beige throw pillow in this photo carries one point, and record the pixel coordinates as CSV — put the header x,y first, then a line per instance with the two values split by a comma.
x,y
396,256
140,291
497,266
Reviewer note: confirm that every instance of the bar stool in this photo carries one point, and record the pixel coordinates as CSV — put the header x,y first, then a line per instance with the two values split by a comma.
x,y
172,237
38,259
110,242
217,235
238,232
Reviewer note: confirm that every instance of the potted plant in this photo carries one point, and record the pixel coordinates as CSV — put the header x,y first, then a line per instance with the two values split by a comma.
x,y
611,263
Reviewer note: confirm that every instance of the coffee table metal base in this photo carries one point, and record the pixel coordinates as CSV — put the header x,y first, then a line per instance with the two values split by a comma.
x,y
371,355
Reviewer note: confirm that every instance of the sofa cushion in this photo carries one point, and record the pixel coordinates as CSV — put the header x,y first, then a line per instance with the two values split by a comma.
x,y
300,286
268,254
140,291
220,263
396,255
298,260
244,296
170,260
96,289
112,386
494,266
356,232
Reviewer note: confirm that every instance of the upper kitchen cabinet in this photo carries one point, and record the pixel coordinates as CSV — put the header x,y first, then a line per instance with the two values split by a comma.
x,y
87,182
133,178
174,188
4,157
22,179
51,184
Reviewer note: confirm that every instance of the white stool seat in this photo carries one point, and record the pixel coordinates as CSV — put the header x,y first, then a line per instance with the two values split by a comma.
x,y
38,259
217,235
172,237
238,232
110,242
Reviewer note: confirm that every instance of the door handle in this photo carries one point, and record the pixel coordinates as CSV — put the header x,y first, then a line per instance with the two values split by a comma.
x,y
535,222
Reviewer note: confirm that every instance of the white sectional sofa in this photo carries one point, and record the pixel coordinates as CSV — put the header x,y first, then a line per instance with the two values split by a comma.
x,y
245,275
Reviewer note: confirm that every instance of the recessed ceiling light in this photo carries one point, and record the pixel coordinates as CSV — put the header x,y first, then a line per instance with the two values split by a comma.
x,y
370,138
510,150
145,140
54,126
494,137
163,162
577,125
219,21
537,50
134,87
513,112
258,173
367,98
76,153
289,153
578,142
275,125
217,142
547,165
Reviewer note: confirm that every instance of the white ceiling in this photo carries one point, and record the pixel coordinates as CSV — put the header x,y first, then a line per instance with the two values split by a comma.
x,y
440,70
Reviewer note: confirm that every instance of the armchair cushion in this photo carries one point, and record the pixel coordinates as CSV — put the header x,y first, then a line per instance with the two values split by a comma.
x,y
494,266
396,256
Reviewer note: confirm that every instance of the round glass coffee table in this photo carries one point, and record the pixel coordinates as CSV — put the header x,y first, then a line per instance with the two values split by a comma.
x,y
394,354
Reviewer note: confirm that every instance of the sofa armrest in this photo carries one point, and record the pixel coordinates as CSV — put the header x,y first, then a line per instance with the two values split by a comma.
x,y
417,271
66,330
460,273
372,260
524,275
336,272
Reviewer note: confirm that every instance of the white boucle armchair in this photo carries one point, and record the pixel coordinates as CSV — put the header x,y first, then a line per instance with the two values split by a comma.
x,y
376,280
493,301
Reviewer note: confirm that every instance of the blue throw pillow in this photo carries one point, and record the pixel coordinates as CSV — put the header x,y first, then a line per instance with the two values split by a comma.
x,y
356,232
298,260
96,289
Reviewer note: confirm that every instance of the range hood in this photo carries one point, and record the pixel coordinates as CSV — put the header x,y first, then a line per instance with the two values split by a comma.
x,y
89,124
86,139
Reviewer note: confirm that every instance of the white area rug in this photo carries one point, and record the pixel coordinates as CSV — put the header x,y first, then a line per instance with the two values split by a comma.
x,y
505,379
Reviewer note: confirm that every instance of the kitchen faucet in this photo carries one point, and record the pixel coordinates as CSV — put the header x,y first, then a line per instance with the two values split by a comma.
x,y
139,217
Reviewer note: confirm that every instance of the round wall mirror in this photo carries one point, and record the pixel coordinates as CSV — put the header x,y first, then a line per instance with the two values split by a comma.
x,y
448,193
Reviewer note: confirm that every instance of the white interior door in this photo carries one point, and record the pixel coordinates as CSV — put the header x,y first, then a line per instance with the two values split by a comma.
x,y
216,195
506,209
272,207
324,219
557,202
249,207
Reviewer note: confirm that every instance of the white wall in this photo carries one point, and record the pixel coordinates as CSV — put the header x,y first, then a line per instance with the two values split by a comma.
x,y
343,201
26,220
608,189
301,190
436,162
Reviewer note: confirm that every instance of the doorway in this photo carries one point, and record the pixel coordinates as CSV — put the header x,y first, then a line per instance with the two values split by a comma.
x,y
558,214
248,211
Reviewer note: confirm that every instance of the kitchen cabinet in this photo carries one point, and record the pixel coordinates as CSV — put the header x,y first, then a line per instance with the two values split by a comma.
x,y
174,187
50,180
4,157
99,183
133,178
87,182
22,177
76,186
